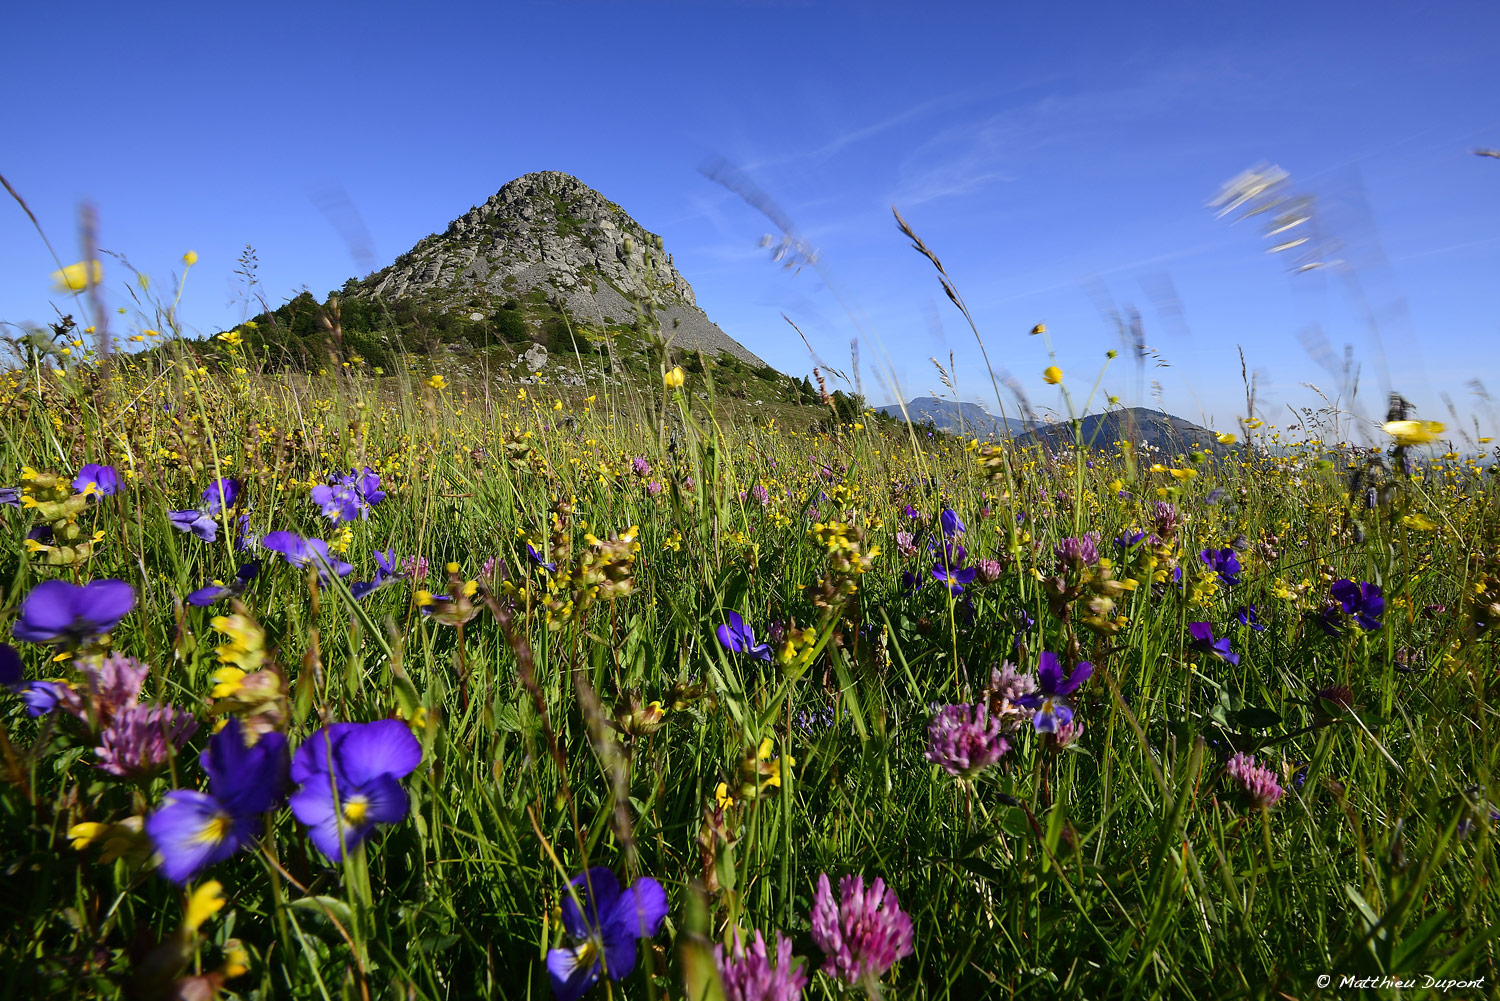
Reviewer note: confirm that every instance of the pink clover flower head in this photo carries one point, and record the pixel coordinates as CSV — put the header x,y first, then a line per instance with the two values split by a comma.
x,y
1080,551
905,545
140,739
747,974
864,934
964,740
1257,782
990,571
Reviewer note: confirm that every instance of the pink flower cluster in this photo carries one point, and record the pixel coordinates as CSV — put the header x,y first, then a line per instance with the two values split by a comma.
x,y
864,934
747,975
1257,782
965,739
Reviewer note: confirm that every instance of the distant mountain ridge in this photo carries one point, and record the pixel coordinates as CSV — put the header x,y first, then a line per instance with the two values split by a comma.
x,y
948,415
1139,425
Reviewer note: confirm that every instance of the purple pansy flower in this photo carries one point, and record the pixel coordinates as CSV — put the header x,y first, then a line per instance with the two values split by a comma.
x,y
387,569
952,524
1363,602
10,496
350,496
97,480
221,494
1224,562
1246,614
348,777
300,552
71,614
40,697
199,523
607,924
1204,642
193,830
951,572
1048,700
218,590
536,558
736,637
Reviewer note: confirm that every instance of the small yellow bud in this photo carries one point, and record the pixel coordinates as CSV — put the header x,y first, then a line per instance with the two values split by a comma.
x,y
190,258
1052,375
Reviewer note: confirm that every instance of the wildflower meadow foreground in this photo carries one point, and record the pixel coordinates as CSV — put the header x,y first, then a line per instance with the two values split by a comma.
x,y
398,685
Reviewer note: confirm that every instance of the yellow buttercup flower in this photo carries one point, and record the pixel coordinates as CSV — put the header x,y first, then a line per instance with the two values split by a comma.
x,y
675,378
1413,432
1052,375
206,901
1225,439
438,382
77,277
190,258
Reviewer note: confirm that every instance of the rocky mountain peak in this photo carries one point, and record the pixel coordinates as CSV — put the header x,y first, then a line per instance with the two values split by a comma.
x,y
549,235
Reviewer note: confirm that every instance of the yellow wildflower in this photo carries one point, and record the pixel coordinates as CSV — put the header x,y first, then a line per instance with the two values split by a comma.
x,y
1052,375
77,277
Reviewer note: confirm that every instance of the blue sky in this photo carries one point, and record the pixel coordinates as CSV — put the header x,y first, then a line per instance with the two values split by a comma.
x,y
1059,159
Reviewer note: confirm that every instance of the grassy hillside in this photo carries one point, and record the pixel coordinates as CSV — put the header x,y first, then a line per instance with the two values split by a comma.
x,y
1274,766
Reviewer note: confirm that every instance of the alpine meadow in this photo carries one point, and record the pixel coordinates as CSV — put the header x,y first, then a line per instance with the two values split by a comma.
x,y
500,626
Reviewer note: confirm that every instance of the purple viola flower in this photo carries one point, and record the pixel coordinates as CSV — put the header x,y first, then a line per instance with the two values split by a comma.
x,y
221,494
747,974
606,922
140,739
911,583
1256,783
350,496
348,777
1247,616
300,552
736,637
244,538
1204,642
864,934
1363,602
219,590
1128,540
951,572
10,496
194,830
39,697
387,570
1224,562
964,740
200,523
97,481
71,615
954,580
536,558
1052,688
952,524
911,512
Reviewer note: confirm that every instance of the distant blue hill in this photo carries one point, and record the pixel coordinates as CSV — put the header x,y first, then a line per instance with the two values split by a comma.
x,y
946,415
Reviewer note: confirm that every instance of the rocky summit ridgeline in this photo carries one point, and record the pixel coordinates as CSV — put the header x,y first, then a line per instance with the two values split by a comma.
x,y
549,239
